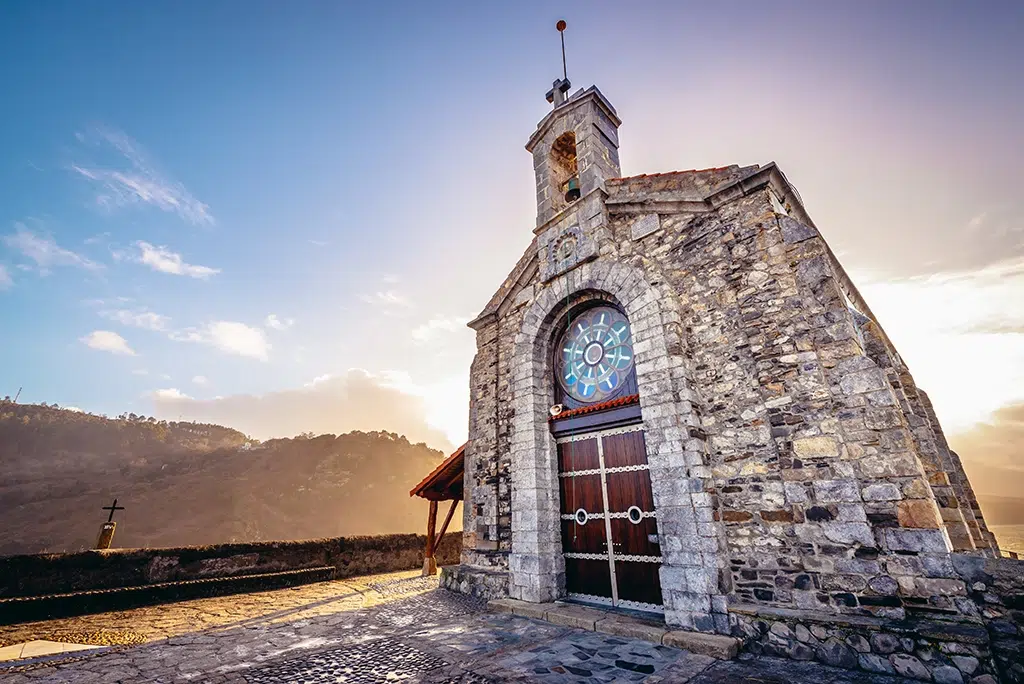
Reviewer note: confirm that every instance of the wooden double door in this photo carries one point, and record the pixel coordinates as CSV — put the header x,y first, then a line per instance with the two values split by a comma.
x,y
606,497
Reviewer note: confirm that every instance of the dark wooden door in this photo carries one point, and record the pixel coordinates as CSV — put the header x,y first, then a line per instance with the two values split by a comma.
x,y
584,533
606,493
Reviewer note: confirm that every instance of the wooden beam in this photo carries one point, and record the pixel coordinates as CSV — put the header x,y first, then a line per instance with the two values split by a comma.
x,y
447,519
429,564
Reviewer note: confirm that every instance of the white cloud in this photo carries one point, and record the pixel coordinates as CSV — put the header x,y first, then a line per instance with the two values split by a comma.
x,y
147,320
961,334
140,371
230,337
388,298
164,260
138,181
199,380
272,321
169,394
105,340
45,251
355,400
5,278
438,325
318,243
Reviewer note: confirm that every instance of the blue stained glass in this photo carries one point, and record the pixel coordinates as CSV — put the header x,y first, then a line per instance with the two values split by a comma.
x,y
596,354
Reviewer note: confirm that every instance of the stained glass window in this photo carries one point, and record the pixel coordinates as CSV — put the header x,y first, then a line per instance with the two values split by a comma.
x,y
595,355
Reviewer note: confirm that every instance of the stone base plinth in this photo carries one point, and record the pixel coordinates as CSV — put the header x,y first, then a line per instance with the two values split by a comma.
x,y
473,581
106,537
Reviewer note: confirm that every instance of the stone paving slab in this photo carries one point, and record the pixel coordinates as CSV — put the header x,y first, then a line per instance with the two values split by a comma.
x,y
402,630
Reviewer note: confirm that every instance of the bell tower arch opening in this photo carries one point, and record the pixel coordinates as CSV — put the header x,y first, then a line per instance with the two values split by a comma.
x,y
564,171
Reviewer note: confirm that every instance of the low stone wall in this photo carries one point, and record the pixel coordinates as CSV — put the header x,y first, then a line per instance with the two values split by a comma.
x,y
982,645
473,581
46,574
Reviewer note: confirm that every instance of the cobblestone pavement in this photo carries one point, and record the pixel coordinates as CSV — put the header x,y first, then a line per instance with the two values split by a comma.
x,y
384,628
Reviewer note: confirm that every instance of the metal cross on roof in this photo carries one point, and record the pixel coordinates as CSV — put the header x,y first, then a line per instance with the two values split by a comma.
x,y
112,507
560,87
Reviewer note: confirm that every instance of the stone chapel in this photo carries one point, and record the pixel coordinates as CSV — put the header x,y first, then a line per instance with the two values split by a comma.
x,y
680,404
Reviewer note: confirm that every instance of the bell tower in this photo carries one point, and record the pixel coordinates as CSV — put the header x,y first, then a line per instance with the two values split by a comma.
x,y
575,147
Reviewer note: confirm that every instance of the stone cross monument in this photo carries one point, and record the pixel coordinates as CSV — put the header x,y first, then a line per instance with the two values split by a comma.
x,y
107,530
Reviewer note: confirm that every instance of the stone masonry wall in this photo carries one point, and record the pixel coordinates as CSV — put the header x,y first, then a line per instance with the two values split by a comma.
x,y
820,484
983,650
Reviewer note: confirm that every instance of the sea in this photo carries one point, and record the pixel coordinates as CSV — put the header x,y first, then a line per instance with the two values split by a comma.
x,y
1011,537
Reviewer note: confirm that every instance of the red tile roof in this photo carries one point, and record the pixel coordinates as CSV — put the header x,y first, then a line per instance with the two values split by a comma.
x,y
667,173
443,475
611,403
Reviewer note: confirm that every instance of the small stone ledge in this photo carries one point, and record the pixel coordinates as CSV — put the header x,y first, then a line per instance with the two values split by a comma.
x,y
953,652
619,624
962,630
714,645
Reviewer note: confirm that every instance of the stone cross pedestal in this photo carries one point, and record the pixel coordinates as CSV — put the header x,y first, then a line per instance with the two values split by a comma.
x,y
106,535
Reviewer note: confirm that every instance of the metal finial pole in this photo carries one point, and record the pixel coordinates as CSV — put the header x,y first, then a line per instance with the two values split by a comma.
x,y
561,31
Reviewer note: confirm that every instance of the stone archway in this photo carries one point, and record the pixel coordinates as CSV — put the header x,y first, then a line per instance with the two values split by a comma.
x,y
675,447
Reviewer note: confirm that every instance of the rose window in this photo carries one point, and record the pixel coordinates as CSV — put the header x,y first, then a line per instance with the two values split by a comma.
x,y
595,354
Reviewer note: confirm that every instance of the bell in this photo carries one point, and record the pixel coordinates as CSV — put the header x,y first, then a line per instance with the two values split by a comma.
x,y
572,192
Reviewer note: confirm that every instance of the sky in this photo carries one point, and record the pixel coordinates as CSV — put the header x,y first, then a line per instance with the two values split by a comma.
x,y
280,216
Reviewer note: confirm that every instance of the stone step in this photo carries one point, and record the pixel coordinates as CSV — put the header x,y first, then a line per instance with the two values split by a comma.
x,y
619,624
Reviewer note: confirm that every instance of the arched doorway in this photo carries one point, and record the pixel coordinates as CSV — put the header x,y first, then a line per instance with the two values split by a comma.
x,y
608,520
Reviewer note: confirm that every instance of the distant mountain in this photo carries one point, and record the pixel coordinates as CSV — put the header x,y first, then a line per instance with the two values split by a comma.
x,y
192,484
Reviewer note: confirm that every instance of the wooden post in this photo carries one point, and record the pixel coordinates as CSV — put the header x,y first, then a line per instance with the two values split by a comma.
x,y
444,525
429,564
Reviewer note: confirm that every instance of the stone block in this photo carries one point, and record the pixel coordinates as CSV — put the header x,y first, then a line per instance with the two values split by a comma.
x,y
881,492
574,616
501,605
632,628
918,513
921,541
714,645
837,654
832,491
875,663
810,447
644,226
537,611
863,382
947,674
908,666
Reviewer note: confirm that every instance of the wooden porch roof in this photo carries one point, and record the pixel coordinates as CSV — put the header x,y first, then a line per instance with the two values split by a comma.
x,y
444,483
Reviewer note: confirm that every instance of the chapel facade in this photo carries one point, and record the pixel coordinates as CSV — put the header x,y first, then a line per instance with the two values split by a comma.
x,y
681,404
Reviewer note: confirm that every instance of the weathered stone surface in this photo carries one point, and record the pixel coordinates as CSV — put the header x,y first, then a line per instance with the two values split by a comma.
x,y
875,663
793,231
815,446
966,664
919,513
883,585
908,666
830,491
634,629
884,643
881,492
572,616
837,654
714,645
944,674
